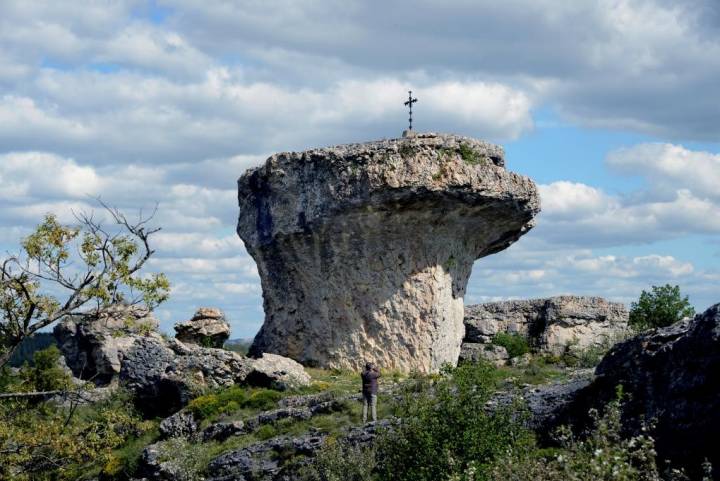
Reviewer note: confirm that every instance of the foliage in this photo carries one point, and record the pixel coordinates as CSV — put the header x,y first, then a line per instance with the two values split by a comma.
x,y
445,429
339,461
44,442
470,156
45,374
663,306
27,348
406,149
64,269
188,460
603,455
515,344
232,399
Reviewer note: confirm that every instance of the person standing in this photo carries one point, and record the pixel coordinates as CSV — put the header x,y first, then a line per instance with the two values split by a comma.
x,y
370,377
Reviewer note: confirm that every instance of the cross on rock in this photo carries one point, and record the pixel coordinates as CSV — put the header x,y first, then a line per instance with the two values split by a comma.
x,y
409,103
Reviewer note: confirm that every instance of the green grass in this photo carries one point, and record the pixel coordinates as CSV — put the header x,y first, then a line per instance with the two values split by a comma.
x,y
537,372
470,156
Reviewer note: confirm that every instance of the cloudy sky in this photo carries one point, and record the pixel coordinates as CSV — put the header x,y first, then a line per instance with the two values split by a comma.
x,y
611,106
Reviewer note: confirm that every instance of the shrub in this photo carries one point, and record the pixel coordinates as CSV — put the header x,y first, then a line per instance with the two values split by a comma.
x,y
50,444
187,459
445,428
602,455
659,308
338,461
263,399
515,344
45,374
470,156
232,399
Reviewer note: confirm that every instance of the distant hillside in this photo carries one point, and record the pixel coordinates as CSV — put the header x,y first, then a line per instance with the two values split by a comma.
x,y
29,345
241,346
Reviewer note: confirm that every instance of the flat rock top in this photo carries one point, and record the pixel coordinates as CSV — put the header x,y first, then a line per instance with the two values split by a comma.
x,y
294,190
428,140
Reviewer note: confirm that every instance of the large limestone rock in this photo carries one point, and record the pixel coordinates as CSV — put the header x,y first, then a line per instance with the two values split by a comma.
x,y
551,325
671,377
207,328
364,250
94,345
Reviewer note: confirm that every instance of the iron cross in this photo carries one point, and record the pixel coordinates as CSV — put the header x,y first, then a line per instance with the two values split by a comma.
x,y
409,103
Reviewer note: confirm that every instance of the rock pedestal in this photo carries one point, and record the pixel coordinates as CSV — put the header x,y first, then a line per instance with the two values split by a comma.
x,y
207,328
364,250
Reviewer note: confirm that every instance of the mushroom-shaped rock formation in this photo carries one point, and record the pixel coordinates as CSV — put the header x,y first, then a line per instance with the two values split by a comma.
x,y
364,250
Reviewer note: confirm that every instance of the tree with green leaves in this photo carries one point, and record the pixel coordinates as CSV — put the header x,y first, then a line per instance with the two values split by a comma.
x,y
663,306
66,270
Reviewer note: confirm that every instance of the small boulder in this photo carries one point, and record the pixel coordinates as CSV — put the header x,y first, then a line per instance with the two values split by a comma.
x,y
277,372
475,352
181,424
207,328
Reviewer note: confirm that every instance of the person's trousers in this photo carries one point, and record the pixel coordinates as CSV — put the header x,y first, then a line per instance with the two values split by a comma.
x,y
369,400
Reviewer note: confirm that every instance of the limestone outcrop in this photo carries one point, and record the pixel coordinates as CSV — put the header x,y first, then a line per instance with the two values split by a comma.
x,y
94,345
207,328
550,325
670,378
121,345
364,250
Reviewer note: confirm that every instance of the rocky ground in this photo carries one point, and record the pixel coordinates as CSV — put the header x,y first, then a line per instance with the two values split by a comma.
x,y
223,416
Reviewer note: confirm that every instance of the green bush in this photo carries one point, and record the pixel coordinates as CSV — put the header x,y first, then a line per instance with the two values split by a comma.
x,y
45,374
659,308
263,399
445,428
470,156
233,399
338,461
515,344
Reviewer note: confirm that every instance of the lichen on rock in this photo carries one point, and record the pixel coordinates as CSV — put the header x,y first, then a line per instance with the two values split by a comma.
x,y
364,250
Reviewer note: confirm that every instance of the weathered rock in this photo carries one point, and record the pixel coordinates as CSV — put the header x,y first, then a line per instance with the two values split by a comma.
x,y
94,345
268,460
277,372
474,352
181,424
223,430
155,465
120,344
551,325
671,376
364,250
164,380
522,360
545,403
207,328
263,461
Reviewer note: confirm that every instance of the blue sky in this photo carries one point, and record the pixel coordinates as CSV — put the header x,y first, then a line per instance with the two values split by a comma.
x,y
611,106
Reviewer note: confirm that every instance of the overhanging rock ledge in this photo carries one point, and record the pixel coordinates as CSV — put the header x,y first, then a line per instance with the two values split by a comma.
x,y
364,250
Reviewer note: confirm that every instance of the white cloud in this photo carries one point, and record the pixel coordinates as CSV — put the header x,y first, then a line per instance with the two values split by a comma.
x,y
674,203
670,167
43,175
514,273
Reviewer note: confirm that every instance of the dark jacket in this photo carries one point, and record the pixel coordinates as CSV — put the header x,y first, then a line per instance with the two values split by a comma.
x,y
370,381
